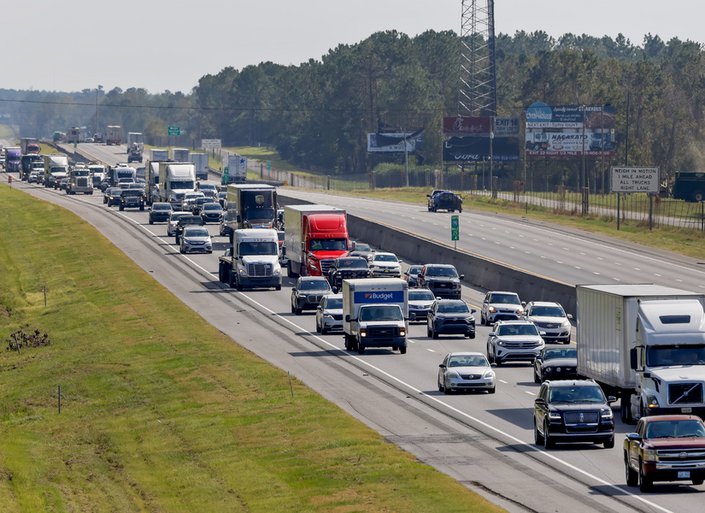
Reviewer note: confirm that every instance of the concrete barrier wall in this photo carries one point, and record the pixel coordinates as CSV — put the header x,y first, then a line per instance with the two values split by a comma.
x,y
478,271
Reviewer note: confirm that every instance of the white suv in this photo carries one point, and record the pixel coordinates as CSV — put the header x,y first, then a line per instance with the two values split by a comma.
x,y
385,264
514,341
499,306
550,318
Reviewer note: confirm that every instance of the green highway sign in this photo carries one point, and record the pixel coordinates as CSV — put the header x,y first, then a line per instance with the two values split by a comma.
x,y
174,130
454,227
226,176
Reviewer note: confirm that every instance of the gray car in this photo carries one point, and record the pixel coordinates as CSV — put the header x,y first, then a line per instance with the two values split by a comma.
x,y
196,239
551,319
308,292
514,341
329,314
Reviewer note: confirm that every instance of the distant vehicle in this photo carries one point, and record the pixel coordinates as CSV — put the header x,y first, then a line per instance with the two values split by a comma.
x,y
441,279
500,305
195,239
208,189
420,301
34,176
237,170
132,198
385,264
79,181
665,448
689,186
173,222
135,146
465,371
252,261
111,196
329,314
13,157
411,275
444,200
556,363
183,222
452,317
30,145
550,318
113,135
573,411
201,162
514,341
159,212
197,205
211,212
347,268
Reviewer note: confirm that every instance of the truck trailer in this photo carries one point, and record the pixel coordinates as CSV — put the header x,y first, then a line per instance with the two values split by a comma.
x,y
375,313
237,170
644,343
249,206
113,135
201,162
175,180
13,156
315,236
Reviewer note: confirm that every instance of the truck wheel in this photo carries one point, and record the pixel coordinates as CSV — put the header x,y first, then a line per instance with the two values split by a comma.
x,y
609,444
536,377
290,272
360,348
238,285
278,287
698,196
630,474
231,280
402,349
548,442
538,437
434,333
122,208
625,408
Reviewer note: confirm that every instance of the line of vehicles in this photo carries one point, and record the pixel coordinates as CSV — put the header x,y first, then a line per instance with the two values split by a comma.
x,y
641,344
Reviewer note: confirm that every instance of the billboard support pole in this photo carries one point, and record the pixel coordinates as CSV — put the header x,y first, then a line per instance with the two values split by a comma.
x,y
619,196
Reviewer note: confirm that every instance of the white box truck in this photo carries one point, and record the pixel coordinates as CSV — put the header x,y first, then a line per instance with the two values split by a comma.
x,y
180,154
237,169
644,343
159,154
176,179
201,162
375,313
252,261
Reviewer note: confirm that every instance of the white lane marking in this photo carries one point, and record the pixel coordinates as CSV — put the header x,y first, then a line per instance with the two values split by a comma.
x,y
490,427
566,249
679,280
558,262
637,269
502,381
512,247
543,257
430,350
530,393
577,267
595,273
600,258
583,254
657,274
616,279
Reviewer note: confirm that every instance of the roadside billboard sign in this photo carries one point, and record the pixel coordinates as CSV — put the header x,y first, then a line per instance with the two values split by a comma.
x,y
635,179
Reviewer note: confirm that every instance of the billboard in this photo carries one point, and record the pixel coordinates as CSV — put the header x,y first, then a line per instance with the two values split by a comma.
x,y
569,130
469,139
394,142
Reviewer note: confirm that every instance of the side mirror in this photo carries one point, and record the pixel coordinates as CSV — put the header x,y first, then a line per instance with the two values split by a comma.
x,y
632,358
347,318
293,289
611,399
462,276
442,366
570,317
319,308
492,334
472,311
633,437
540,401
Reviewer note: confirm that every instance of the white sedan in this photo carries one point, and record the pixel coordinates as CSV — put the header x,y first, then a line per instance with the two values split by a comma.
x,y
465,371
385,264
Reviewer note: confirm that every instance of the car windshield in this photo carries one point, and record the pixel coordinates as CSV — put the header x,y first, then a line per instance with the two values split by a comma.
x,y
161,206
197,232
442,271
517,329
551,354
507,299
329,244
187,184
385,258
207,187
314,285
132,192
414,270
453,307
259,248
178,215
577,394
468,361
658,356
334,303
547,311
352,263
381,313
675,429
361,246
421,295
212,206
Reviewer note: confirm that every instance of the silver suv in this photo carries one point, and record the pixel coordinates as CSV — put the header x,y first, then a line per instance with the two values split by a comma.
x,y
514,341
550,318
500,305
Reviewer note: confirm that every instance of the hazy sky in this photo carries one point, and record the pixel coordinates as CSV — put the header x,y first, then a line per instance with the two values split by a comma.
x,y
168,45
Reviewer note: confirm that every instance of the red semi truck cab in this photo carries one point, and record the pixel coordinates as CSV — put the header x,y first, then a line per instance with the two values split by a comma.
x,y
315,236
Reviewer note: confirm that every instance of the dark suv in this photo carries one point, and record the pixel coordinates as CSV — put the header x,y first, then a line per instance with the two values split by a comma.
x,y
450,316
131,198
441,279
347,268
573,411
444,200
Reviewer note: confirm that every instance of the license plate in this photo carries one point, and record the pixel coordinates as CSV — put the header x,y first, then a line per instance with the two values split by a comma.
x,y
683,474
686,410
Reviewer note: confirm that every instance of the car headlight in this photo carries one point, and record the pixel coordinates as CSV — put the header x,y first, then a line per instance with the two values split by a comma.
x,y
500,343
606,414
554,415
453,375
492,309
652,401
650,455
489,374
277,271
402,332
566,323
328,316
520,311
548,369
363,332
242,271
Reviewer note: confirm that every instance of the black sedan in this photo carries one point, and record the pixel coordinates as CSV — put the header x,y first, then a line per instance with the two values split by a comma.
x,y
556,363
212,212
111,196
452,317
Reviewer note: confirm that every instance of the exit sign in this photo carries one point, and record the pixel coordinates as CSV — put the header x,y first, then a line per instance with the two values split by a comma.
x,y
174,130
454,227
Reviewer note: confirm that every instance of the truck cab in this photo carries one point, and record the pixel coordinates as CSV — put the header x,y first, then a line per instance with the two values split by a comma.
x,y
79,181
375,314
253,260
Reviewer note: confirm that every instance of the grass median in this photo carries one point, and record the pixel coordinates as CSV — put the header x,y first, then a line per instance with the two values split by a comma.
x,y
161,411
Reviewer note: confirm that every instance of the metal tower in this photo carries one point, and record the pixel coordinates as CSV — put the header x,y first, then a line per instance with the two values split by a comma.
x,y
478,92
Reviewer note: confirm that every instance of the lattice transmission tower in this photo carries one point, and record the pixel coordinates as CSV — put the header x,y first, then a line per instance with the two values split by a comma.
x,y
478,91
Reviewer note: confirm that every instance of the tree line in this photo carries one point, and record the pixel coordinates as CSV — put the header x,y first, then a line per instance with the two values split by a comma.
x,y
317,114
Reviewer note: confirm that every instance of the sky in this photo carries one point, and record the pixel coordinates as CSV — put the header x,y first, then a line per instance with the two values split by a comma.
x,y
163,45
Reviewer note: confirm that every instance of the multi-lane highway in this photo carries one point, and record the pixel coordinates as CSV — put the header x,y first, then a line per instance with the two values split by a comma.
x,y
484,441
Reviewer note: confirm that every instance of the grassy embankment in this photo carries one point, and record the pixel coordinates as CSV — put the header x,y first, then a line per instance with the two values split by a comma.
x,y
164,412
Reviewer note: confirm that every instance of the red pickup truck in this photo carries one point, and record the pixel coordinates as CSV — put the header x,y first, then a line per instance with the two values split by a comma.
x,y
665,448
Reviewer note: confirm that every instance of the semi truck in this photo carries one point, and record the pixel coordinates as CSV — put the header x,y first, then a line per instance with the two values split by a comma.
x,y
689,186
79,181
315,236
13,156
135,146
180,154
113,135
27,164
644,343
201,162
122,172
236,171
249,206
97,173
175,180
159,154
29,145
56,167
375,313
252,261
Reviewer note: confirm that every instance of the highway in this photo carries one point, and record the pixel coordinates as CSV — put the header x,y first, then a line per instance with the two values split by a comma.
x,y
484,441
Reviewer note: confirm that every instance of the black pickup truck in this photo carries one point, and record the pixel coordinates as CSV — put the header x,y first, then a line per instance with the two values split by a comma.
x,y
347,268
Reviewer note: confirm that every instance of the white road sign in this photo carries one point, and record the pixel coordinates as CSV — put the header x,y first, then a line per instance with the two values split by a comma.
x,y
635,179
